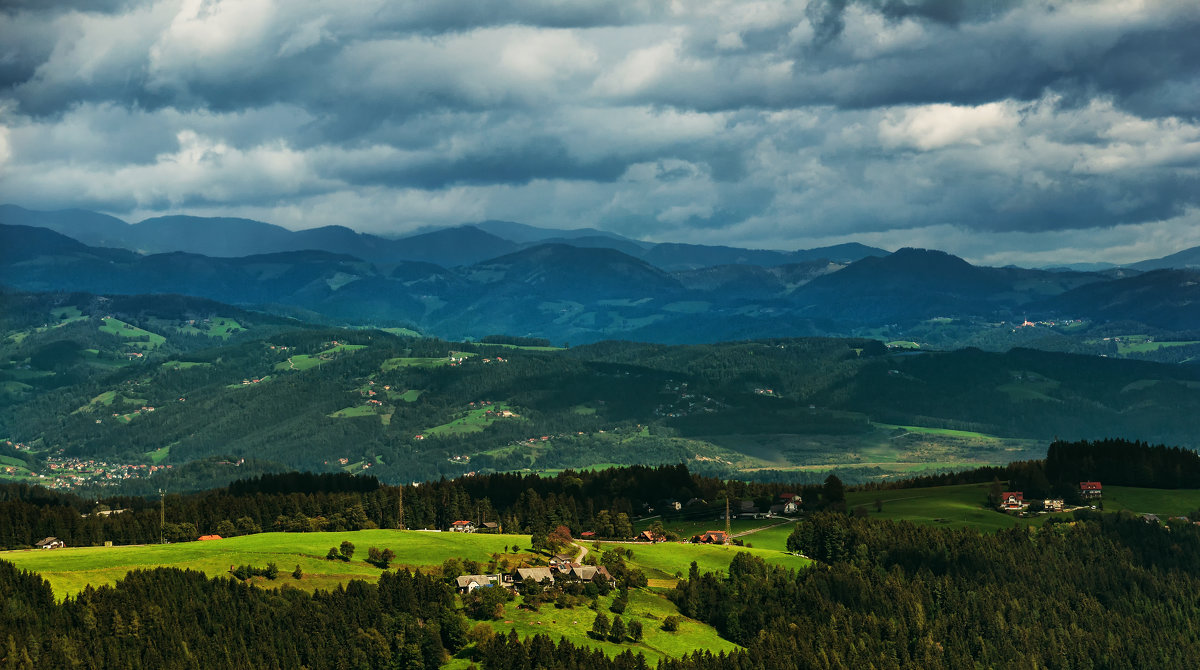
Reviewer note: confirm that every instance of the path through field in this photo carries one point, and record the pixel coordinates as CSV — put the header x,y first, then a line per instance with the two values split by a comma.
x,y
755,530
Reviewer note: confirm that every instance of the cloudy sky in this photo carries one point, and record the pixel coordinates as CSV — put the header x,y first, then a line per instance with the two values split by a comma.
x,y
1003,131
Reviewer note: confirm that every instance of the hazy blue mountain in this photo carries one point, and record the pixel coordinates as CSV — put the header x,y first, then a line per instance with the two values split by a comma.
x,y
914,284
20,243
675,256
753,281
1168,299
581,294
1182,260
1079,267
631,247
211,236
524,233
450,247
91,228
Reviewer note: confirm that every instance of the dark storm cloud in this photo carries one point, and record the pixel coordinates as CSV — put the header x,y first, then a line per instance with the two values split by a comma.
x,y
770,124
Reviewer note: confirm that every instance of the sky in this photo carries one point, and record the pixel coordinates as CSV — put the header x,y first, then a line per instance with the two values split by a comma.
x,y
1002,131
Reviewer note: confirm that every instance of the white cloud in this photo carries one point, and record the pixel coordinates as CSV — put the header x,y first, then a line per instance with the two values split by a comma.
x,y
936,126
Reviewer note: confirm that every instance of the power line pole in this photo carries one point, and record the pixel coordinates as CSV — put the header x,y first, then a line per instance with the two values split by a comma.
x,y
727,516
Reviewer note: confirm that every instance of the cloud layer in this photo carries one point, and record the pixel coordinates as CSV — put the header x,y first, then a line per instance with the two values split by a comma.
x,y
1003,131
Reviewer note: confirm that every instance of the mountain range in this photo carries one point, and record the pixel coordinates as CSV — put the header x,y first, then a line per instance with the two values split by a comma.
x,y
584,293
448,247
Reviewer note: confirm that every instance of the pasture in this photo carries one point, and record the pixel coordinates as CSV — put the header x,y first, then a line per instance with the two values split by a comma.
x,y
69,570
473,420
1163,502
648,608
133,336
664,559
954,506
417,362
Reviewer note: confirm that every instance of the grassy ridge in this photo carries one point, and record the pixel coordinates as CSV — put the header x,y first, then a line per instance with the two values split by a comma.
x,y
663,560
70,570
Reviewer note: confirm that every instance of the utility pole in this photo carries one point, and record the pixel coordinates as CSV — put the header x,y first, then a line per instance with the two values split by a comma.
x,y
727,515
162,515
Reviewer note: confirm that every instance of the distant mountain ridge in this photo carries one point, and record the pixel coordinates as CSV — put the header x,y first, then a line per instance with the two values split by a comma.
x,y
448,247
583,294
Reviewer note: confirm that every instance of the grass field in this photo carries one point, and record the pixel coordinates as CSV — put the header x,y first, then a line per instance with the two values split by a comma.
x,y
643,606
954,506
359,411
1163,502
219,327
159,455
896,450
1140,344
409,362
473,421
184,365
65,315
521,346
664,559
689,527
773,538
69,570
128,332
309,361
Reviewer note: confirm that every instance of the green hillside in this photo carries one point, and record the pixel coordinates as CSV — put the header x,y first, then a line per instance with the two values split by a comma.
x,y
86,377
70,570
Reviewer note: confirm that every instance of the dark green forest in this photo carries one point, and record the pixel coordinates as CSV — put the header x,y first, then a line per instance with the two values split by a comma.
x,y
1099,591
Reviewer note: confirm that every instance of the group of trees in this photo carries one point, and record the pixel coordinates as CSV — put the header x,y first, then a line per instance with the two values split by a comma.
x,y
169,618
1103,591
600,501
618,630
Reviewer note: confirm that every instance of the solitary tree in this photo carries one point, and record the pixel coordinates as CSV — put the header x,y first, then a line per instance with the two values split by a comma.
x,y
297,573
834,491
347,550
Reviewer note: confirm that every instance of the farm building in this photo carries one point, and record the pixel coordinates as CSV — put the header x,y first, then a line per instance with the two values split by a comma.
x,y
468,583
1011,501
540,575
51,543
712,537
